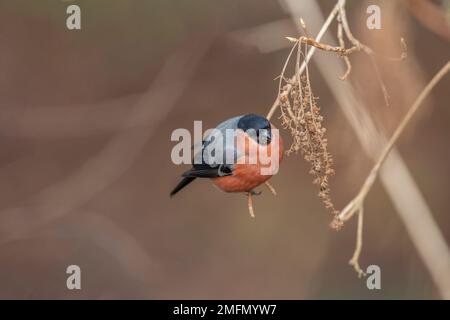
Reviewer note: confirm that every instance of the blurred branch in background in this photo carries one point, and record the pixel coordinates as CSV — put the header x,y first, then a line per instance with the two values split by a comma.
x,y
265,37
42,122
118,155
133,258
395,176
431,16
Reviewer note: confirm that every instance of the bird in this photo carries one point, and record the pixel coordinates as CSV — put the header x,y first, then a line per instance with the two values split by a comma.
x,y
246,168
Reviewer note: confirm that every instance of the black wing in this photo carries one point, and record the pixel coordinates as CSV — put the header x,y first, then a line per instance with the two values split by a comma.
x,y
207,171
202,171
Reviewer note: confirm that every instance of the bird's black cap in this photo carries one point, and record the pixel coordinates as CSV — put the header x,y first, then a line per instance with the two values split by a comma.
x,y
253,121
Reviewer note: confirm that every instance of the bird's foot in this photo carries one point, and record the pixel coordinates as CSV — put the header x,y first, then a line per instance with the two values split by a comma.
x,y
255,193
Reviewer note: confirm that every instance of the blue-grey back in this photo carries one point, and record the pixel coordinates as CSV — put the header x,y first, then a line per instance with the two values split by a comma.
x,y
227,145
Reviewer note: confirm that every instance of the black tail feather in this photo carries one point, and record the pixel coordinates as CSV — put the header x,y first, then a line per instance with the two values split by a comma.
x,y
183,183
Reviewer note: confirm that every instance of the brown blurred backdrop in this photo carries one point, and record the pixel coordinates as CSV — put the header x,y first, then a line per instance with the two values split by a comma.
x,y
85,170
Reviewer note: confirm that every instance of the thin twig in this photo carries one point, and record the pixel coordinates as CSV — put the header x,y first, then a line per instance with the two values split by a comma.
x,y
319,36
340,36
339,13
357,204
323,46
271,188
354,205
250,204
360,46
354,261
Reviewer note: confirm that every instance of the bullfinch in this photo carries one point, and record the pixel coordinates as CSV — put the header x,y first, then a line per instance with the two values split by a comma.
x,y
240,154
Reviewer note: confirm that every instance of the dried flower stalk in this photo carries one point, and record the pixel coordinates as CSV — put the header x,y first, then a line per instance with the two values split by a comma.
x,y
301,116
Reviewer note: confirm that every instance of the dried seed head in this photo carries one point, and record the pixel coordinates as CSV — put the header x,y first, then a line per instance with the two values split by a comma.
x,y
300,115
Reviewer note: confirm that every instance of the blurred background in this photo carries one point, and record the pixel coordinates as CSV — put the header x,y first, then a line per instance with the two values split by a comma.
x,y
85,170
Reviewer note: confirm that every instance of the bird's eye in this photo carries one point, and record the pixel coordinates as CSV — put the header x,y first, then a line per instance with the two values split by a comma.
x,y
264,136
